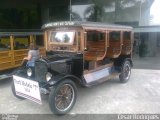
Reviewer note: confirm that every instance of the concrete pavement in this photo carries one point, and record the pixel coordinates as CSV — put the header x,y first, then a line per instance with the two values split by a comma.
x,y
140,95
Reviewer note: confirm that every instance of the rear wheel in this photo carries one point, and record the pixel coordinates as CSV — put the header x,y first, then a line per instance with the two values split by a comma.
x,y
126,72
14,92
63,97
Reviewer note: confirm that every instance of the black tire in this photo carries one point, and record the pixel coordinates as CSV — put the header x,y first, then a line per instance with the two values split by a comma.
x,y
126,72
14,92
55,108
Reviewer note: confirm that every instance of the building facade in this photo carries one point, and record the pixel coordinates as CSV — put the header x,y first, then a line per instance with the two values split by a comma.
x,y
32,14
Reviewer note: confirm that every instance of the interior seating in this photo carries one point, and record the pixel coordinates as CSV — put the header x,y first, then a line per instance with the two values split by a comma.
x,y
126,48
95,50
114,49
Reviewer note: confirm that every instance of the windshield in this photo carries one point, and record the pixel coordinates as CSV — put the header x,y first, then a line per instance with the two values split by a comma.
x,y
62,37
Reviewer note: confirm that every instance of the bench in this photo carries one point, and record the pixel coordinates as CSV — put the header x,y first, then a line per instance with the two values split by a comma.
x,y
126,48
96,50
114,49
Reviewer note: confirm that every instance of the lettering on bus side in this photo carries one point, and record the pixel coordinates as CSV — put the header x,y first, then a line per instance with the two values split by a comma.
x,y
59,24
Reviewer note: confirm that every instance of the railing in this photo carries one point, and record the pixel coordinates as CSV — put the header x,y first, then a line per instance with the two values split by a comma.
x,y
14,46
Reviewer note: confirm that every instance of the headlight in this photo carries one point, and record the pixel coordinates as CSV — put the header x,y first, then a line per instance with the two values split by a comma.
x,y
48,76
29,72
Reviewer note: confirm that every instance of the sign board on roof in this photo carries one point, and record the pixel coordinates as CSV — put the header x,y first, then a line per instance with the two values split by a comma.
x,y
57,24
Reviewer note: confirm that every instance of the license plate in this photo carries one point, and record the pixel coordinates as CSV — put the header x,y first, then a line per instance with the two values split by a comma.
x,y
27,88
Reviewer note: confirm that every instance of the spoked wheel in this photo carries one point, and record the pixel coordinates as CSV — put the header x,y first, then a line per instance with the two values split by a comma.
x,y
63,97
126,72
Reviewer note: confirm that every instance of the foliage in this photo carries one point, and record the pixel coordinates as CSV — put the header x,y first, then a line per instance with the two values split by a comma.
x,y
76,17
94,13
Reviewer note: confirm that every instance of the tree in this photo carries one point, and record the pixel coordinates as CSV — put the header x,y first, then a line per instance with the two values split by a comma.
x,y
76,16
94,13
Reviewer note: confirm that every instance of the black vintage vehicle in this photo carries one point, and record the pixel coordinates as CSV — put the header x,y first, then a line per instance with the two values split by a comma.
x,y
85,53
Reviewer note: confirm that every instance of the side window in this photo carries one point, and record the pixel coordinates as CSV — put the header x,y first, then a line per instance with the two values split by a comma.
x,y
5,44
127,35
89,36
95,36
21,42
114,36
39,40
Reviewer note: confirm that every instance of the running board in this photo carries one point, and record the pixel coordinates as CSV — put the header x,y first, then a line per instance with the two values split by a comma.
x,y
99,76
94,76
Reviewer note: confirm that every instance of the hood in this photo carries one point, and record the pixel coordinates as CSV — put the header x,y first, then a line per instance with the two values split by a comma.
x,y
56,63
55,59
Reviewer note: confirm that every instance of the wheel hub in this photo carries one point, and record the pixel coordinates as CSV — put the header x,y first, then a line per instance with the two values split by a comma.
x,y
127,72
64,97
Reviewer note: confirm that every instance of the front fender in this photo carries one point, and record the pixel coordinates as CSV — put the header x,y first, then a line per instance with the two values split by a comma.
x,y
58,80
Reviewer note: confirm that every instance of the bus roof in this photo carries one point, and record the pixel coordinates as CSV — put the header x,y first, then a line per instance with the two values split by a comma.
x,y
86,25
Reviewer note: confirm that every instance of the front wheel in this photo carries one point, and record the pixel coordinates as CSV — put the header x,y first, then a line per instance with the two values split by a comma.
x,y
63,97
126,72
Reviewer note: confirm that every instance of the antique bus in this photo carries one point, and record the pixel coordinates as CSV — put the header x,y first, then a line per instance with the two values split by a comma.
x,y
14,47
85,53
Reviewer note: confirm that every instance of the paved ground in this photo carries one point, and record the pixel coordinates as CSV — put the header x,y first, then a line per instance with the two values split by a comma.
x,y
140,95
147,63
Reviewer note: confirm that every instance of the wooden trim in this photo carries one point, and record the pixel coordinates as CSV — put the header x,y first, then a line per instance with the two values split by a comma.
x,y
77,41
46,40
12,42
21,50
30,38
82,40
107,37
121,37
125,49
103,29
11,53
85,40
